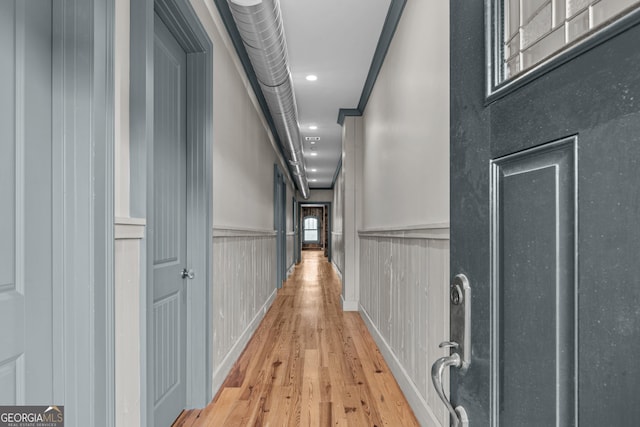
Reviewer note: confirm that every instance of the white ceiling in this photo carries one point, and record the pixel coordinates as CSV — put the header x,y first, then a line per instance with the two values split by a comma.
x,y
335,40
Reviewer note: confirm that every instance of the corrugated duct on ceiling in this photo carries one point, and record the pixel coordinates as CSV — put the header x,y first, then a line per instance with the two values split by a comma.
x,y
260,26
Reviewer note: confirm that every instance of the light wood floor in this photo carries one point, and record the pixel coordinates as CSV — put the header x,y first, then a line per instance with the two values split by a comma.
x,y
308,364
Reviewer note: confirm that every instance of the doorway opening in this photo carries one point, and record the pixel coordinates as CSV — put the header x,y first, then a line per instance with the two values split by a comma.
x,y
315,224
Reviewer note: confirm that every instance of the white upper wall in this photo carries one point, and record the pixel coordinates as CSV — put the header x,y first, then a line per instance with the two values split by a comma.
x,y
243,154
318,196
406,124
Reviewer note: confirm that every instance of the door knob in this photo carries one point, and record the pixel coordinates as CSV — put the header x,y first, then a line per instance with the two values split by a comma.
x,y
186,274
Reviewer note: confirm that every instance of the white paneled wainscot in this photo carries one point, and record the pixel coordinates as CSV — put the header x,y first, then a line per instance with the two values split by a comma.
x,y
244,286
404,282
128,233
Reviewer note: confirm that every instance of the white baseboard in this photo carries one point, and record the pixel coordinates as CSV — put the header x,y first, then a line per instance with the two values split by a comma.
x,y
421,409
348,305
337,270
221,372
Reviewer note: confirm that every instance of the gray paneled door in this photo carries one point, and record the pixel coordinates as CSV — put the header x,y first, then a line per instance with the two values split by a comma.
x,y
280,224
168,228
545,222
30,310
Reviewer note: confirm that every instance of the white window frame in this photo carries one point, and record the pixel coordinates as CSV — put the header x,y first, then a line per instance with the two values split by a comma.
x,y
304,229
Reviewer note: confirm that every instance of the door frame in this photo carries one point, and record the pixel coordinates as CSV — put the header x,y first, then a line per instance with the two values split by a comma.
x,y
83,126
184,24
280,224
329,207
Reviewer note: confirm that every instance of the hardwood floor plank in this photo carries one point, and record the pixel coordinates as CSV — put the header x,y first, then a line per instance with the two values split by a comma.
x,y
308,364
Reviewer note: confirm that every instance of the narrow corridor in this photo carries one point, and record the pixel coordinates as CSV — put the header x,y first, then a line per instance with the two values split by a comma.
x,y
308,363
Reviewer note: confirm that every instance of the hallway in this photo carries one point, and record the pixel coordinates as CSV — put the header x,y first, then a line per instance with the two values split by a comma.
x,y
309,363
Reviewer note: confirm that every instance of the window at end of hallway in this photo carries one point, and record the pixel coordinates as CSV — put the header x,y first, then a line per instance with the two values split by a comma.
x,y
310,226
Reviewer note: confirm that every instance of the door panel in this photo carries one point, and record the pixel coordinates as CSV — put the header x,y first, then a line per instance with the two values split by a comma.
x,y
534,286
521,344
26,287
169,227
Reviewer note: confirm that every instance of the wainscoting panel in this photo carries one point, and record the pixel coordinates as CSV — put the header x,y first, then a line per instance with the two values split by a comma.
x,y
337,251
244,286
404,280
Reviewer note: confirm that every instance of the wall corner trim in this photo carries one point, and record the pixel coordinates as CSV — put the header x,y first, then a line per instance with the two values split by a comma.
x,y
344,112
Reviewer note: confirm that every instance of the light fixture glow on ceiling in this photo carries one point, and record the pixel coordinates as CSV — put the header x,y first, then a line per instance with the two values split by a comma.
x,y
313,153
314,170
314,180
313,127
312,77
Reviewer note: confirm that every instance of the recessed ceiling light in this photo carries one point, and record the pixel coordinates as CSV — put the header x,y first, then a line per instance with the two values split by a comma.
x,y
312,77
313,153
313,127
314,170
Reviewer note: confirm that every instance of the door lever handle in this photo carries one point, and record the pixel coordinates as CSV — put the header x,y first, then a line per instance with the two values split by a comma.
x,y
437,370
458,415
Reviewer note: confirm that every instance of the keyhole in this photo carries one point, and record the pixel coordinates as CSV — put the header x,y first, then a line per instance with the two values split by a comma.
x,y
456,295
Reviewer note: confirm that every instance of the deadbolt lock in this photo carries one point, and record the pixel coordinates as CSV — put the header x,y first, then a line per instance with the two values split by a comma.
x,y
456,294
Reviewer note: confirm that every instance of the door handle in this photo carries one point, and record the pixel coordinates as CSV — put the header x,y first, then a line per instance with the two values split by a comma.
x,y
460,345
458,415
187,274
